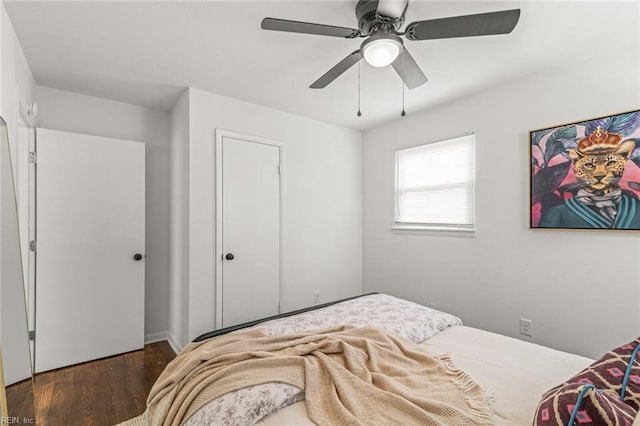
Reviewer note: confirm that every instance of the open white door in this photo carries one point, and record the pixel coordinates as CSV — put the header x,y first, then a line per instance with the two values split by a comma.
x,y
90,225
248,228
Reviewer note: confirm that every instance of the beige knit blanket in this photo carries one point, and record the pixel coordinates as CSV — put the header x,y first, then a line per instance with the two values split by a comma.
x,y
351,376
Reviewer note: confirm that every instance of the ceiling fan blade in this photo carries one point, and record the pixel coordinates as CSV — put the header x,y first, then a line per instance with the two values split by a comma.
x,y
502,22
392,8
308,28
337,70
409,70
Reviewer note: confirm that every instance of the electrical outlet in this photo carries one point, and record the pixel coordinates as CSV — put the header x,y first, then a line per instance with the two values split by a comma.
x,y
316,297
526,327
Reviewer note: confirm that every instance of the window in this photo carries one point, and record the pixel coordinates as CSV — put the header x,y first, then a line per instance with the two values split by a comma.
x,y
434,185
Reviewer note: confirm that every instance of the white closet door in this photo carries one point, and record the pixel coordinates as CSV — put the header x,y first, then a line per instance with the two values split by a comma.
x,y
250,230
90,248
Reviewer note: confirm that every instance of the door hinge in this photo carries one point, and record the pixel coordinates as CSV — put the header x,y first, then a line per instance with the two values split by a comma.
x,y
33,245
32,335
33,157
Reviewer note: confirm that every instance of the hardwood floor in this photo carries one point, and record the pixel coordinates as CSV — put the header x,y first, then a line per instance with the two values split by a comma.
x,y
99,393
20,400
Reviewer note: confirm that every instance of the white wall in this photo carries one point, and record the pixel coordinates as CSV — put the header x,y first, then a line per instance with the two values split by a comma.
x,y
323,211
72,112
179,239
580,288
16,85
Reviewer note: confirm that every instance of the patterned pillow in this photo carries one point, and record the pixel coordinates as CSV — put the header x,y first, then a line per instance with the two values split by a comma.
x,y
597,407
613,392
609,373
412,321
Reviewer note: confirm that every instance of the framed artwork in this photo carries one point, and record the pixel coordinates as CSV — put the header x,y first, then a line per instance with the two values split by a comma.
x,y
586,175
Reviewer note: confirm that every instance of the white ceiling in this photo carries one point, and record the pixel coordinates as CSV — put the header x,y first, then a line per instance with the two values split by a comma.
x,y
147,52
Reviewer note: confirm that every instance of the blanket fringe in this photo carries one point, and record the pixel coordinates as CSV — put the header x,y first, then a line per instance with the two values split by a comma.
x,y
480,405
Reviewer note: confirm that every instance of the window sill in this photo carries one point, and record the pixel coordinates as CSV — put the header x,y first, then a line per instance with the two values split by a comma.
x,y
436,231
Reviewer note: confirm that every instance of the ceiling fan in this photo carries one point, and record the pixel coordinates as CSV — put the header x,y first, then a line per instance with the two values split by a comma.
x,y
380,22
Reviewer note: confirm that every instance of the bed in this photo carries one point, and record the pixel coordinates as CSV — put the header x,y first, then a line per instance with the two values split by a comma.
x,y
507,375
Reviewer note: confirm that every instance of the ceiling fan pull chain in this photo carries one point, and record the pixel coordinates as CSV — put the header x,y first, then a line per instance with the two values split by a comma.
x,y
359,113
402,114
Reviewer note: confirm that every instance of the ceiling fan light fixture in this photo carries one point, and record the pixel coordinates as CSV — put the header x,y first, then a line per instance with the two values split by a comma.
x,y
381,49
381,52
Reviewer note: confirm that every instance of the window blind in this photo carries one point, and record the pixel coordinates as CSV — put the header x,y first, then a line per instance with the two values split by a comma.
x,y
434,184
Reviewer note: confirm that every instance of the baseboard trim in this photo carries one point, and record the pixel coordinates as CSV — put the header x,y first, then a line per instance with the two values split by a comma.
x,y
155,337
173,343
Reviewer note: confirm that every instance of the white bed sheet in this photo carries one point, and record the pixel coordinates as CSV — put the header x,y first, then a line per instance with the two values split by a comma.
x,y
516,373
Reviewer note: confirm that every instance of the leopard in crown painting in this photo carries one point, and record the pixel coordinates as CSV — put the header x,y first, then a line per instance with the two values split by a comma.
x,y
585,176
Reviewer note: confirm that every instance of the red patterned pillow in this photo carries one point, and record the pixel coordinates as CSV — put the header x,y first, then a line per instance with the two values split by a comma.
x,y
596,407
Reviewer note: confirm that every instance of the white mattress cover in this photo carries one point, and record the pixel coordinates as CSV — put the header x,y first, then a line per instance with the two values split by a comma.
x,y
515,372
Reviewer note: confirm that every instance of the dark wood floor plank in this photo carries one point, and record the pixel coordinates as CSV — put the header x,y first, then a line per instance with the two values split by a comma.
x,y
20,400
96,393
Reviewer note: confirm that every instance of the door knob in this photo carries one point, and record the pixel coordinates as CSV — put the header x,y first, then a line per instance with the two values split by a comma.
x,y
229,256
137,256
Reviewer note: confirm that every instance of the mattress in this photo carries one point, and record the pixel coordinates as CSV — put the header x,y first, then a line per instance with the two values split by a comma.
x,y
516,373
